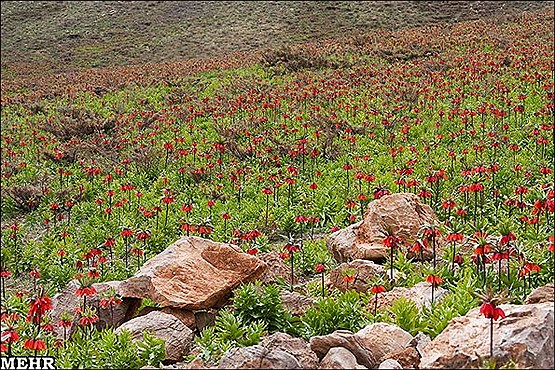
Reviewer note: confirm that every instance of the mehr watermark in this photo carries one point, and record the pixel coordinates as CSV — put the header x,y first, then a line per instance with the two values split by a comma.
x,y
27,362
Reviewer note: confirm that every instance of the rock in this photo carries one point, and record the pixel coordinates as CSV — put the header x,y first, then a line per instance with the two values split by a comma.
x,y
67,300
296,303
194,320
340,338
277,351
257,357
419,342
408,358
193,273
296,347
525,336
187,317
340,358
341,242
381,339
204,319
368,345
401,213
276,268
178,337
544,293
390,364
420,294
366,272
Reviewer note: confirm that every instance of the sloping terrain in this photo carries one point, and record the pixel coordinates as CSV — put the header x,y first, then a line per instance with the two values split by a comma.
x,y
64,35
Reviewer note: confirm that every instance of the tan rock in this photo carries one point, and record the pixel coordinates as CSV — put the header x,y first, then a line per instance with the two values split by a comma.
x,y
296,303
257,357
368,345
420,294
401,213
544,293
296,347
525,336
277,351
341,243
408,358
366,273
390,364
177,336
381,339
193,273
277,268
340,358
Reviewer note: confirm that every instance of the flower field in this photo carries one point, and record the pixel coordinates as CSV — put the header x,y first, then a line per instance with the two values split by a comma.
x,y
273,151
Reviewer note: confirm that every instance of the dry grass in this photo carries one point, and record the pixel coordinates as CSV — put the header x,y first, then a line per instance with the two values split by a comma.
x,y
64,35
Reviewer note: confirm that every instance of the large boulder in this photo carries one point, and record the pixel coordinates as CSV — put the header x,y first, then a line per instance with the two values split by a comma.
x,y
193,273
366,273
400,213
525,336
177,336
68,301
368,345
277,351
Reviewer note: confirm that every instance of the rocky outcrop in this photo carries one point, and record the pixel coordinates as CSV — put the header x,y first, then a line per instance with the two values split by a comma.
x,y
177,336
341,243
525,336
401,214
193,273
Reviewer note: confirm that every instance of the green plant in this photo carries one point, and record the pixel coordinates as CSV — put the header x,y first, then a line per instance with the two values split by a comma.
x,y
253,302
344,311
110,351
406,315
228,331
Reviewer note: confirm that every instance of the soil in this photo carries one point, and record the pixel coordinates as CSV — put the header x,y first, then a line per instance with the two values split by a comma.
x,y
66,35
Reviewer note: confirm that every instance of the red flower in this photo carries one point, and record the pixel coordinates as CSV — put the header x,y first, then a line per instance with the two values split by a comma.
x,y
34,344
5,274
34,273
88,320
320,268
126,232
391,241
434,279
348,278
490,311
10,336
87,291
291,248
38,308
252,251
376,289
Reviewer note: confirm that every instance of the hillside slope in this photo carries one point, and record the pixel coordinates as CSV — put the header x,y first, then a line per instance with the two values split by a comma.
x,y
64,35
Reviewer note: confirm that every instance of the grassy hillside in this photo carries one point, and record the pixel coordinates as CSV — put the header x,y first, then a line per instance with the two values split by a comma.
x,y
64,35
